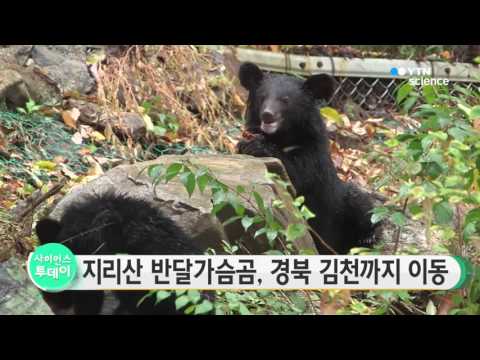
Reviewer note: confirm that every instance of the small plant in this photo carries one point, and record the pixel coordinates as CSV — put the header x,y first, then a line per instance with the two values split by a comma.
x,y
158,123
30,107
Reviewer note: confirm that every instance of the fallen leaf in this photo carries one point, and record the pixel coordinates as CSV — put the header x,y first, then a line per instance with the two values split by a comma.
x,y
370,130
431,309
330,114
237,100
86,131
85,151
45,165
70,117
358,129
97,136
77,138
67,172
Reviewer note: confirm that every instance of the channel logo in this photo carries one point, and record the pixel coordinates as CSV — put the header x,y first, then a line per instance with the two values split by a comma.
x,y
418,76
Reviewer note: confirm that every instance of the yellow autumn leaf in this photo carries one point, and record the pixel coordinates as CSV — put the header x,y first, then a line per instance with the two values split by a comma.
x,y
45,165
332,115
148,122
97,136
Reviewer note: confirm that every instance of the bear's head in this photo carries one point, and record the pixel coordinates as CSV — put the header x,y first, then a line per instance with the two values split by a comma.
x,y
281,104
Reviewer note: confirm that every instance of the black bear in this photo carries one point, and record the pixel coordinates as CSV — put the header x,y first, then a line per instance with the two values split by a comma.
x,y
115,224
283,117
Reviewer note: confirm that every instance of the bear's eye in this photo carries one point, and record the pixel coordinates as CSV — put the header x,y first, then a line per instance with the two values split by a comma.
x,y
284,99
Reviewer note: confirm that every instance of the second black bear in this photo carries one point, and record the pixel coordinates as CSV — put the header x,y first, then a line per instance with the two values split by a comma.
x,y
283,116
115,224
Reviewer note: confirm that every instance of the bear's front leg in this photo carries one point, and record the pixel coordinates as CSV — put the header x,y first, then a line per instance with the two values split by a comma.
x,y
257,147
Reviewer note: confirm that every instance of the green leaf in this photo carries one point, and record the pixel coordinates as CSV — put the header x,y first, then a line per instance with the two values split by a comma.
x,y
306,213
181,302
299,201
189,310
155,171
475,113
408,104
443,213
473,216
432,169
439,135
202,182
240,189
398,218
231,220
173,171
379,214
204,307
257,219
218,207
162,295
218,197
194,296
188,180
414,168
429,94
299,302
458,134
466,109
247,221
403,92
259,232
469,230
271,235
243,310
259,201
391,143
294,231
453,181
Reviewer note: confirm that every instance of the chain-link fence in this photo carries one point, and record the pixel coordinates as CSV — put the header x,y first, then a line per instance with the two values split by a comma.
x,y
375,93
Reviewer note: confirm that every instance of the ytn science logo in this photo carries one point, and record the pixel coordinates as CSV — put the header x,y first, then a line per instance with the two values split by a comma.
x,y
418,76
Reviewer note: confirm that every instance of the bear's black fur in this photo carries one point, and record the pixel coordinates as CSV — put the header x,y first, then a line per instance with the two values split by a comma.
x,y
112,224
282,112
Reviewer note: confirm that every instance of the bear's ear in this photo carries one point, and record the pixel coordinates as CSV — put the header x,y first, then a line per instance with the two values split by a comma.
x,y
47,230
321,86
250,76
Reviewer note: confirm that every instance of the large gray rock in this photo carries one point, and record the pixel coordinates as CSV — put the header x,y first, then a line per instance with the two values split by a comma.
x,y
18,295
49,71
65,66
194,214
13,89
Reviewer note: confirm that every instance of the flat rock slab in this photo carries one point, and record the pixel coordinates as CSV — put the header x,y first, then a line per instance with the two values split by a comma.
x,y
193,213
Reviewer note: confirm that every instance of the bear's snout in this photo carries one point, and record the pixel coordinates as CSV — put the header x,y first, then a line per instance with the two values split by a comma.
x,y
268,117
